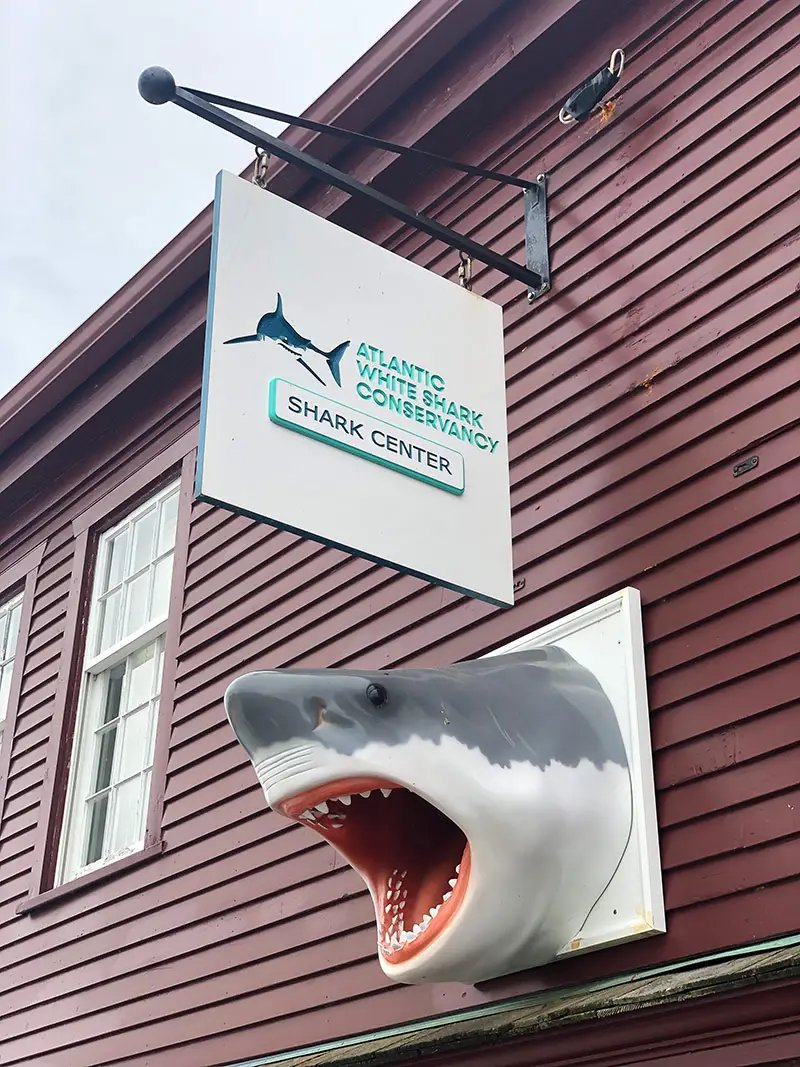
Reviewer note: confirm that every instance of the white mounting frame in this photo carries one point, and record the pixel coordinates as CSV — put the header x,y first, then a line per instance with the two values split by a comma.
x,y
607,638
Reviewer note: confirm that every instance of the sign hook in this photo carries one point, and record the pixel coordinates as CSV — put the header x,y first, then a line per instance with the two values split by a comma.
x,y
465,270
262,167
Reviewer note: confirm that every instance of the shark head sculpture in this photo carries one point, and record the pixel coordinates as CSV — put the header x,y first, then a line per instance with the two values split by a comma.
x,y
486,805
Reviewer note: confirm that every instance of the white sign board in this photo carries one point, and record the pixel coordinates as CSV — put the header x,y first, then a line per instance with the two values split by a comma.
x,y
354,397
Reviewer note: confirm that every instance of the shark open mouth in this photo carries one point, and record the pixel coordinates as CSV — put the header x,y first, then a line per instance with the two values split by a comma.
x,y
414,859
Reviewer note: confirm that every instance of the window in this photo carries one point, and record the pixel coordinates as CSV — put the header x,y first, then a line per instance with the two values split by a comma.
x,y
10,613
112,758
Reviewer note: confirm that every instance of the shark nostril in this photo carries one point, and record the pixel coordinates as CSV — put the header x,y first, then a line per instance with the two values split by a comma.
x,y
377,695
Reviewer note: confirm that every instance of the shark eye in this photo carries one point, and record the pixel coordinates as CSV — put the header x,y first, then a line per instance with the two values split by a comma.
x,y
377,695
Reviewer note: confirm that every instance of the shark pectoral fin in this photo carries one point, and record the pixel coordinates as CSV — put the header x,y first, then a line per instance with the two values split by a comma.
x,y
334,358
241,340
310,370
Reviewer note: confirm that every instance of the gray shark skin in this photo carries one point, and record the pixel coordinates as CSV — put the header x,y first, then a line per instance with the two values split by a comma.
x,y
486,805
273,326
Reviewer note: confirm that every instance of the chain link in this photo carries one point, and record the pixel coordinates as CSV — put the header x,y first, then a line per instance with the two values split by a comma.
x,y
464,270
262,167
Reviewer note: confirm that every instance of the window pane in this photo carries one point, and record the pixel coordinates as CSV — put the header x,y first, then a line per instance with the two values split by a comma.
x,y
97,825
13,631
135,729
140,677
127,809
144,530
113,692
4,620
162,581
105,759
5,689
167,524
136,614
116,551
108,625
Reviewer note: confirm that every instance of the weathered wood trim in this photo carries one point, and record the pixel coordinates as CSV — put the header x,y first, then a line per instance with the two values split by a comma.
x,y
555,1010
86,528
164,724
88,881
61,723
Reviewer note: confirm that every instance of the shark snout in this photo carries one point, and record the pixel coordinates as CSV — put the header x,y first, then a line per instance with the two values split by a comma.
x,y
272,709
263,714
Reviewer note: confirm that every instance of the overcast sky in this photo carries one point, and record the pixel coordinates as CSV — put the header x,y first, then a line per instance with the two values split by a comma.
x,y
94,181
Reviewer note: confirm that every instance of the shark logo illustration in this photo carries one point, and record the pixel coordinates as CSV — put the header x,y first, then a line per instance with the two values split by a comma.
x,y
486,805
274,327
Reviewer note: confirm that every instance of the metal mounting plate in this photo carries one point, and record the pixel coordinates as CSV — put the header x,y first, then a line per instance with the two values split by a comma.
x,y
537,250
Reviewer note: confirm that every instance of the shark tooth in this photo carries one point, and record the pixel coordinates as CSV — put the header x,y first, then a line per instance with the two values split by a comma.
x,y
349,800
386,792
322,806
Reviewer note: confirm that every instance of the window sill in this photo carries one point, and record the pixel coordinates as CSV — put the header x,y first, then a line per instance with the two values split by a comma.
x,y
86,881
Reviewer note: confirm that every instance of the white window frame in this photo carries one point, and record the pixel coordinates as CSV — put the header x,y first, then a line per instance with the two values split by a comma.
x,y
7,607
86,743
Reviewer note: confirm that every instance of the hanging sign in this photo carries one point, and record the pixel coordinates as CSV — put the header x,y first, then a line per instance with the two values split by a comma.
x,y
353,397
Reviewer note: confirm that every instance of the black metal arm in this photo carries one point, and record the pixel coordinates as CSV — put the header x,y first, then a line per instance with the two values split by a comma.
x,y
361,138
157,86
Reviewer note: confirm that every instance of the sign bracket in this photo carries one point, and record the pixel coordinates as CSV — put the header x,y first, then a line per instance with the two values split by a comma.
x,y
157,86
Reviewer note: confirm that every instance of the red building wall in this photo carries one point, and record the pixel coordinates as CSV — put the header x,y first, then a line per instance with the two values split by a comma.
x,y
666,353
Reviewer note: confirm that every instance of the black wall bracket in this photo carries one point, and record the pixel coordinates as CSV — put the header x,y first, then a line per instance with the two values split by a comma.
x,y
157,86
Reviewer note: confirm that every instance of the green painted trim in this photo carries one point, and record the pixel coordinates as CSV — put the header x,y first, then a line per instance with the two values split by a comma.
x,y
507,1006
353,449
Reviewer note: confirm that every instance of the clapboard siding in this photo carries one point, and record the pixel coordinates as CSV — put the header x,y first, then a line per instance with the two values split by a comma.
x,y
668,349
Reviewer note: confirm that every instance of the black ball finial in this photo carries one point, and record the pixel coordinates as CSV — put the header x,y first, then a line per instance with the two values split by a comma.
x,y
156,85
